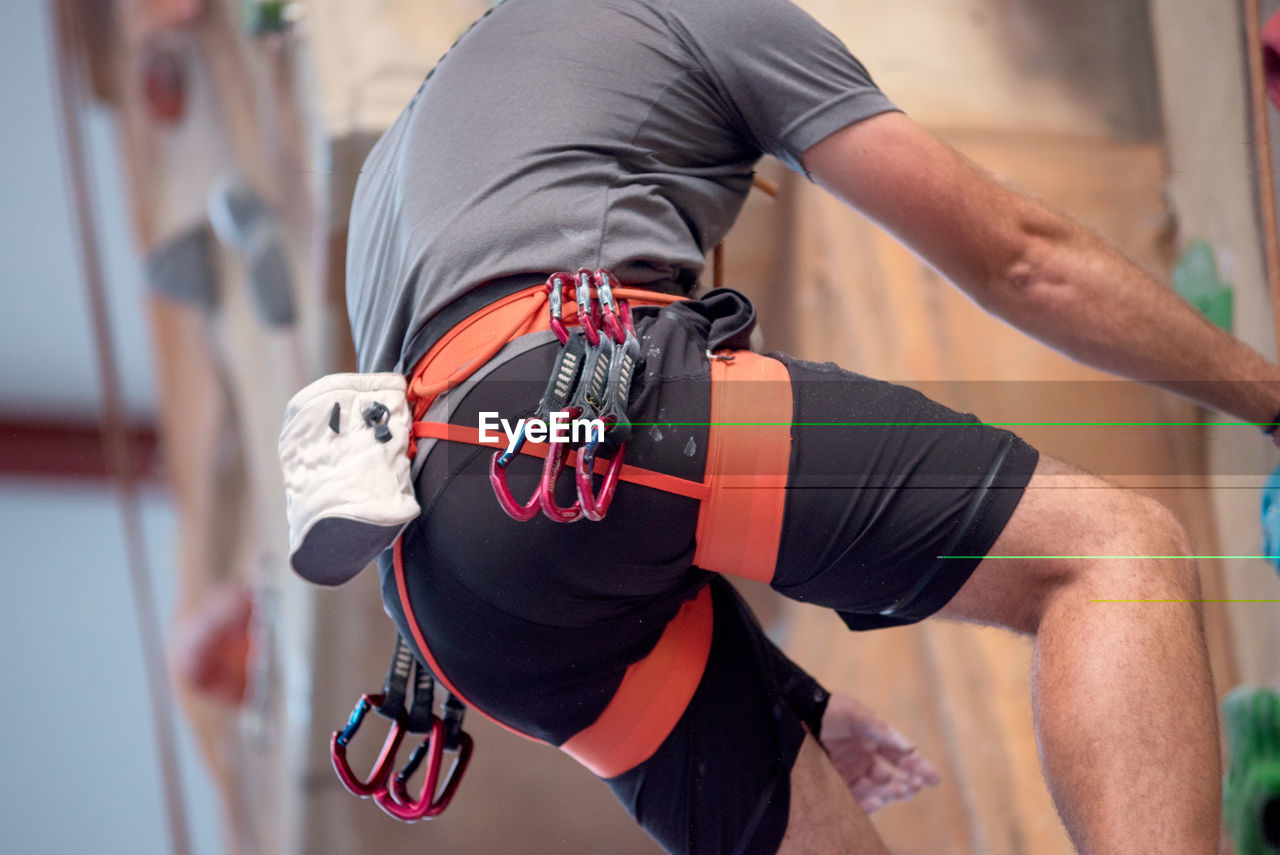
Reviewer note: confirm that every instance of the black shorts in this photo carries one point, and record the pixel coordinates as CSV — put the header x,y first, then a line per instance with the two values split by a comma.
x,y
721,780
536,623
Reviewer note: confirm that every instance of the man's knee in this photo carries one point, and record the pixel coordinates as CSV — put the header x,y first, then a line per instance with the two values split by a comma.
x,y
1076,538
1141,552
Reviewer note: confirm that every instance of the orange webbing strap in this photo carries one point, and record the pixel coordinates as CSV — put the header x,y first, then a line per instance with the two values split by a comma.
x,y
632,474
652,696
476,339
648,703
473,341
748,454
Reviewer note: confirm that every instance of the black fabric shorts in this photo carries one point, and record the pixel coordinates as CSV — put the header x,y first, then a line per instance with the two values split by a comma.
x,y
535,623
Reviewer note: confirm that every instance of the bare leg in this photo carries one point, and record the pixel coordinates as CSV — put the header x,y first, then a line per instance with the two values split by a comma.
x,y
1124,702
824,818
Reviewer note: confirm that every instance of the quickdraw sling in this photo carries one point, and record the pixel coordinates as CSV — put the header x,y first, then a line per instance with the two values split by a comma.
x,y
441,734
591,380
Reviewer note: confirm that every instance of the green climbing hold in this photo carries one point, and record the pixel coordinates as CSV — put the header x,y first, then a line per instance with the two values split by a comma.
x,y
1196,279
264,17
1251,795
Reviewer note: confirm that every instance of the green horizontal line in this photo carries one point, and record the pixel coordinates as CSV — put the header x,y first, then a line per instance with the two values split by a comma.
x,y
1184,601
1206,557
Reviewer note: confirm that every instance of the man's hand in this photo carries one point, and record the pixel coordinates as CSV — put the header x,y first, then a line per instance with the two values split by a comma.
x,y
878,764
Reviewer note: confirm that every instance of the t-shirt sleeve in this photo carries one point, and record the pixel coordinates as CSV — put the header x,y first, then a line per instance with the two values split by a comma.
x,y
790,80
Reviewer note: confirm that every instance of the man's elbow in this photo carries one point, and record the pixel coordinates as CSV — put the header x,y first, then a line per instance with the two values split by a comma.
x,y
1036,270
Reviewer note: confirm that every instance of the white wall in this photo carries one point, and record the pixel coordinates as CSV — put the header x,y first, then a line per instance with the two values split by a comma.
x,y
47,362
80,770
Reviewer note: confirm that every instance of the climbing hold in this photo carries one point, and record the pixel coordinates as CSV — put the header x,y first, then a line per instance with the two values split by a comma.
x,y
1271,519
1196,279
1251,795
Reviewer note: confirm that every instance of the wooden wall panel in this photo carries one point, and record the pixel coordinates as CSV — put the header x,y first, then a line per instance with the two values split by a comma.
x,y
1212,190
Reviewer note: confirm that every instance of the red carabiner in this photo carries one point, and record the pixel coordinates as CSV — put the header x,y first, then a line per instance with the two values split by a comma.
x,y
596,505
377,780
461,759
551,469
502,490
582,296
395,800
609,308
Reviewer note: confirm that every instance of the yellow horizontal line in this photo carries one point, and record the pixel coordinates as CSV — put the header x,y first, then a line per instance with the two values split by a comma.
x,y
1184,601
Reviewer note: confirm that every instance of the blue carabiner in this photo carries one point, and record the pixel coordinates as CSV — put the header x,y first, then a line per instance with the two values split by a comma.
x,y
502,490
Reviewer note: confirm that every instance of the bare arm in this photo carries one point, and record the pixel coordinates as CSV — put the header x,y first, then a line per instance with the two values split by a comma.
x,y
1040,271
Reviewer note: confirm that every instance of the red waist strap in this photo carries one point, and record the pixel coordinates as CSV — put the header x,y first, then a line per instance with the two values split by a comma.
x,y
474,341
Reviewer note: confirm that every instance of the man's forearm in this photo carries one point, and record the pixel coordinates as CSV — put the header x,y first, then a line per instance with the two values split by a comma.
x,y
1076,293
1037,269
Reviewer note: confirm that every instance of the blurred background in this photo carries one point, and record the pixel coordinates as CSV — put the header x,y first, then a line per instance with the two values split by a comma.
x,y
176,179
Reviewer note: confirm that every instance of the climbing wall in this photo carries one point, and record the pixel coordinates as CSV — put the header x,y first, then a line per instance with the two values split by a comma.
x,y
836,288
855,296
1213,190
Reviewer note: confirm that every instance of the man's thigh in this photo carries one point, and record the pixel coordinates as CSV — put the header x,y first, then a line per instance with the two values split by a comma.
x,y
892,499
824,817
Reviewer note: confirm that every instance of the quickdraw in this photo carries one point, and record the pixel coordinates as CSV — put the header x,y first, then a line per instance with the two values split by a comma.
x,y
591,379
388,788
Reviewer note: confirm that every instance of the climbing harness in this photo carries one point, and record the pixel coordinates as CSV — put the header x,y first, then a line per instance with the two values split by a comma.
x,y
744,390
389,788
591,380
589,314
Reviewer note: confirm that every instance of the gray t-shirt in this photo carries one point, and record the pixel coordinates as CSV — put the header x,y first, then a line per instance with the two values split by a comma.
x,y
559,134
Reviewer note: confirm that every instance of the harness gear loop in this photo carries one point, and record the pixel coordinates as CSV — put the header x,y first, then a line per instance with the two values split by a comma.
x,y
478,338
390,791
